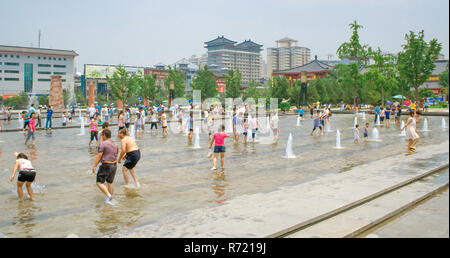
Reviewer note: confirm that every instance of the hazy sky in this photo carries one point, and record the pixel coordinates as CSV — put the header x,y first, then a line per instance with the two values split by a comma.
x,y
145,32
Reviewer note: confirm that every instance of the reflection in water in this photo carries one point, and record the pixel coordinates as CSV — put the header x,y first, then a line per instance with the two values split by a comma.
x,y
113,218
219,185
25,218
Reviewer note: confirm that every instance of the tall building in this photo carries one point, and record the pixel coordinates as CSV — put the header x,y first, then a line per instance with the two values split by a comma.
x,y
225,54
286,55
29,69
189,69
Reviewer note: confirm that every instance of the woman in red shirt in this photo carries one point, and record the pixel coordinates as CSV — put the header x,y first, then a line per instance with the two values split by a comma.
x,y
219,147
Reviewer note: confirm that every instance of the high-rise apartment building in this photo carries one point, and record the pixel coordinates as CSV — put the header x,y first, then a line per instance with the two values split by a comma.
x,y
225,54
286,55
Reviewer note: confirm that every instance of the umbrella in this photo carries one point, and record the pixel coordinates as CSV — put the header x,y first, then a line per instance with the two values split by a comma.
x,y
399,97
389,103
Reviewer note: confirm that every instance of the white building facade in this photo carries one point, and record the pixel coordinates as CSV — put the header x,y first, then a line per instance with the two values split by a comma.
x,y
29,70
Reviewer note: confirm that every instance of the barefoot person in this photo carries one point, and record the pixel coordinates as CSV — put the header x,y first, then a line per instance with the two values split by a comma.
x,y
164,123
27,174
317,123
93,128
219,147
411,132
131,154
107,154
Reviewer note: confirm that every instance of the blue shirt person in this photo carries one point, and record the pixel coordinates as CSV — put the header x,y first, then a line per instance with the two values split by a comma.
x,y
48,123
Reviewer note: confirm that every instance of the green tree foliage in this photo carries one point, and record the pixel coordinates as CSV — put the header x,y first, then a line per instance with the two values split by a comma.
x,y
122,84
359,55
382,74
43,100
280,88
177,77
206,83
20,101
425,93
416,61
233,81
147,88
443,80
294,93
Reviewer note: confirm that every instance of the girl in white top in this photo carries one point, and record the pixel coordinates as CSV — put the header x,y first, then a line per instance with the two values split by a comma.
x,y
274,125
356,134
411,132
253,122
27,174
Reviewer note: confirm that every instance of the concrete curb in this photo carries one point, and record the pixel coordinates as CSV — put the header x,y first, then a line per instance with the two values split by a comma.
x,y
352,205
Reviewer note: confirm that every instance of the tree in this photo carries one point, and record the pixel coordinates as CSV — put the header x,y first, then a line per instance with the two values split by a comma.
x,y
443,80
43,100
416,61
382,72
147,87
280,88
294,93
233,81
205,82
122,84
425,93
358,54
251,91
177,77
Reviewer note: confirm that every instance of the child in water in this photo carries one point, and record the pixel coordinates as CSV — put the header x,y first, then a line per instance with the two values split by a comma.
x,y
94,130
27,174
366,132
356,136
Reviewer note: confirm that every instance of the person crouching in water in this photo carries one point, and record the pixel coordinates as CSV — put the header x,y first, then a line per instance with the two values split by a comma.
x,y
219,147
131,154
27,174
108,155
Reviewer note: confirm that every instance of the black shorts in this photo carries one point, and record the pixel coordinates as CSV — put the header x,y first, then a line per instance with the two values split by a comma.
x,y
106,172
121,127
315,127
127,125
94,135
132,159
26,176
153,124
25,124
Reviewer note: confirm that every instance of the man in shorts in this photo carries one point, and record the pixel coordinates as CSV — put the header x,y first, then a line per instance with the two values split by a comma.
x,y
108,155
131,154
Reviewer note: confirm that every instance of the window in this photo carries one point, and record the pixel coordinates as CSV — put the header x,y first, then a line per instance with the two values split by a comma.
x,y
59,59
64,59
11,57
44,65
11,71
12,64
64,80
28,56
59,66
44,80
60,73
54,58
41,72
39,57
45,58
11,79
17,56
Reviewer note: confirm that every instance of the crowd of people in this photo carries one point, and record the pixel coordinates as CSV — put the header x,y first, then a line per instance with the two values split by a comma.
x,y
243,120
